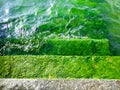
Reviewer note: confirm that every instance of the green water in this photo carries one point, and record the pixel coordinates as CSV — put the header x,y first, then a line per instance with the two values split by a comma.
x,y
112,9
27,24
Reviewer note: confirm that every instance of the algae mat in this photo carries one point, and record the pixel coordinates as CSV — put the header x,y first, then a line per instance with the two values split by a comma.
x,y
56,66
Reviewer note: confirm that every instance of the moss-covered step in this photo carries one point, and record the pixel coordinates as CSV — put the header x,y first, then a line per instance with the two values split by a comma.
x,y
62,47
76,47
54,66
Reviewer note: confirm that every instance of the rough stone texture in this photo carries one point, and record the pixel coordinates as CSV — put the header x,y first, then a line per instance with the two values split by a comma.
x,y
40,84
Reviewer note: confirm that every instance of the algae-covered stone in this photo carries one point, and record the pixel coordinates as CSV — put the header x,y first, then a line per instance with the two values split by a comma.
x,y
57,66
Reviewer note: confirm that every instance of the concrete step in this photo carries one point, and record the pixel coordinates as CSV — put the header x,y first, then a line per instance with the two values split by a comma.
x,y
63,84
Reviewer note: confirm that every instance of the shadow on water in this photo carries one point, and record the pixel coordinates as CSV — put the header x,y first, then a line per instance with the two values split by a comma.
x,y
112,10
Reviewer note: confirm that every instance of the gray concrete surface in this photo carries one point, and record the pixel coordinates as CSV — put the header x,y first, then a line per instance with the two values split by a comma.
x,y
63,84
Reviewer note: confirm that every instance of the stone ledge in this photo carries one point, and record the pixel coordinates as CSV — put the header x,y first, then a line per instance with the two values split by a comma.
x,y
60,84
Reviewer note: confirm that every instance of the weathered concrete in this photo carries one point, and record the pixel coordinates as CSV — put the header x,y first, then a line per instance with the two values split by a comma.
x,y
40,84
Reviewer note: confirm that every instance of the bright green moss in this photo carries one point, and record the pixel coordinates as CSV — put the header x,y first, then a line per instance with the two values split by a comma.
x,y
76,47
60,47
102,67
